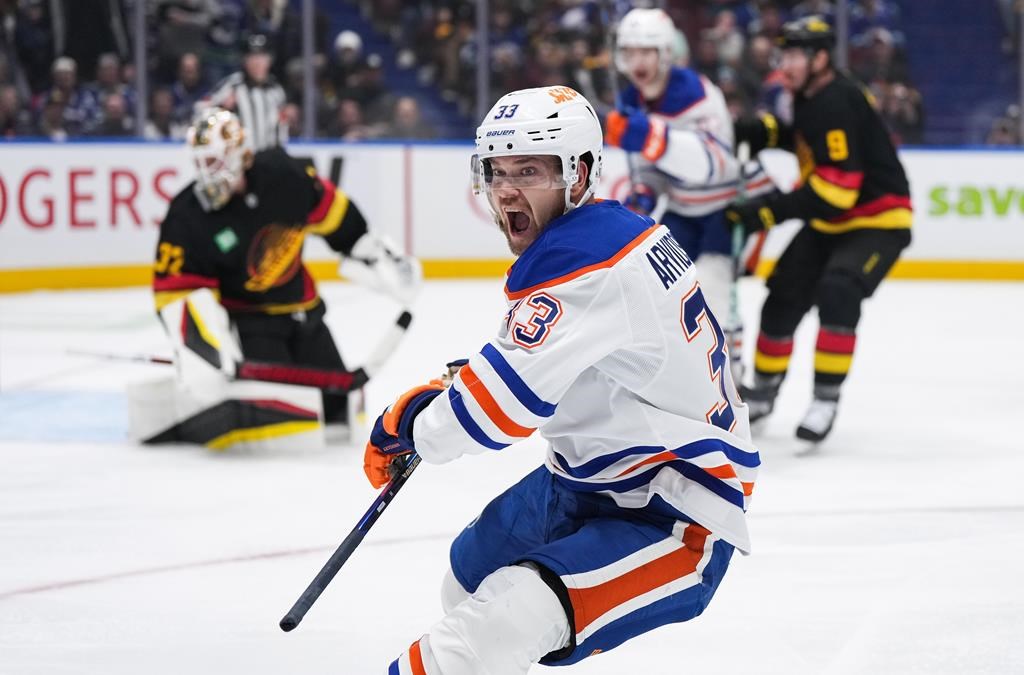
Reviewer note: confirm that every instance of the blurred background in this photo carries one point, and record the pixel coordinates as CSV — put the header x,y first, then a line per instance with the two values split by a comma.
x,y
428,69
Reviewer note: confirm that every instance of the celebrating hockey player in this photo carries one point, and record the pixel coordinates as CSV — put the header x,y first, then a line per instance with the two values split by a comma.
x,y
675,124
239,229
855,202
609,348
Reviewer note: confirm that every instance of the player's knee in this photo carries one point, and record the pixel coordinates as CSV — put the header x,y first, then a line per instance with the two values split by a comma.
x,y
452,592
509,623
839,297
781,314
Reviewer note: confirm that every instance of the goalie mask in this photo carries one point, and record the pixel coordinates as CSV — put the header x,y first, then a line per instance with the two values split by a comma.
x,y
552,121
220,153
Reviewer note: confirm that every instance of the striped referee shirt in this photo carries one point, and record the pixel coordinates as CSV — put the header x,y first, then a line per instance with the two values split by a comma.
x,y
258,107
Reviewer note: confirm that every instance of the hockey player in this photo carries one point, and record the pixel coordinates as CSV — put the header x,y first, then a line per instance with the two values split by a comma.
x,y
855,202
609,348
239,229
676,126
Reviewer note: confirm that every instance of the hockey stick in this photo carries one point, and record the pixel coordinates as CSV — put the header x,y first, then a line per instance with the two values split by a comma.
x,y
738,240
127,358
347,547
613,74
286,373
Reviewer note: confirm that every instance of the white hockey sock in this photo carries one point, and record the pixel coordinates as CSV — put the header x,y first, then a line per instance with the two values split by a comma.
x,y
510,622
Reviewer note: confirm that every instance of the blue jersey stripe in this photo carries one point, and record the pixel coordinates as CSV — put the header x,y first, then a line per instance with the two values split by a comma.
x,y
751,460
690,471
515,384
469,424
688,451
393,668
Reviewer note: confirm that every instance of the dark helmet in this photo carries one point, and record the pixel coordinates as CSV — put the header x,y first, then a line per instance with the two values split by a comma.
x,y
810,32
256,43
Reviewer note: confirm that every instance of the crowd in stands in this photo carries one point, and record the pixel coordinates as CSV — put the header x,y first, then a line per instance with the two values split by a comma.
x,y
59,83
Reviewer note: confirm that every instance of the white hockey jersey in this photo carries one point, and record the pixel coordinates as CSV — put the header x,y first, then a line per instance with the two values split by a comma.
x,y
698,170
609,349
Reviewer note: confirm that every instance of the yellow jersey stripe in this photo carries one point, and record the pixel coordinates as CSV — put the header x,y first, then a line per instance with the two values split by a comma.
x,y
335,214
838,196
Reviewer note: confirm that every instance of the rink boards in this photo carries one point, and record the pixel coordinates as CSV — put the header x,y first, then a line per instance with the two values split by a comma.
x,y
87,214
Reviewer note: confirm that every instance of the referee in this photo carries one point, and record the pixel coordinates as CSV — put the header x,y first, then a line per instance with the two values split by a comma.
x,y
254,95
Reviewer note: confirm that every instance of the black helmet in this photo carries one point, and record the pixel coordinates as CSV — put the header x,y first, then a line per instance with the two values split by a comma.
x,y
810,32
256,43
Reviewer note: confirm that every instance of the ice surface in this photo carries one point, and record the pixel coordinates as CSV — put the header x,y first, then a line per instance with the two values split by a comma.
x,y
896,547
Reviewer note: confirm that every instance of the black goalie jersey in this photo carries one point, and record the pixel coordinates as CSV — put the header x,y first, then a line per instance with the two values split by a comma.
x,y
851,175
250,251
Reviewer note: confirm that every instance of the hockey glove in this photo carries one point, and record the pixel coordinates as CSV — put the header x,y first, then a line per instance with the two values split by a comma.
x,y
391,436
754,215
759,131
633,131
641,200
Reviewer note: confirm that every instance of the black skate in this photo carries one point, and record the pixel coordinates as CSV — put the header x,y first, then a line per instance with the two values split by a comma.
x,y
760,401
818,421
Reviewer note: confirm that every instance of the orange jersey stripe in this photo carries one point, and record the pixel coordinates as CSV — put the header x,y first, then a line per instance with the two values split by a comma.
x,y
416,659
623,252
666,456
483,397
591,603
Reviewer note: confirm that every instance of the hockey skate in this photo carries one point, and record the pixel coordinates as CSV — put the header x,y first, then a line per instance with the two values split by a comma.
x,y
760,401
818,421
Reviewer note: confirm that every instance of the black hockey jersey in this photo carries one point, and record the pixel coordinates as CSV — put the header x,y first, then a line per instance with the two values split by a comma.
x,y
250,251
851,177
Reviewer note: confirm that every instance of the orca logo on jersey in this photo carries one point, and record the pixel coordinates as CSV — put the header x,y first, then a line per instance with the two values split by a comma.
x,y
669,260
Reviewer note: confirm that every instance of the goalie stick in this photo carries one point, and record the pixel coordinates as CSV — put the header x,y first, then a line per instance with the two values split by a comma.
x,y
282,373
347,546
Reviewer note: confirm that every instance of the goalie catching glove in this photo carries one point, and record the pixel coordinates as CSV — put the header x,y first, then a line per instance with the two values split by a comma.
x,y
375,263
391,437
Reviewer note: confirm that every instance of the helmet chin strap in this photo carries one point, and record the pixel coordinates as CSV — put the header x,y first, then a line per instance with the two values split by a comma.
x,y
570,205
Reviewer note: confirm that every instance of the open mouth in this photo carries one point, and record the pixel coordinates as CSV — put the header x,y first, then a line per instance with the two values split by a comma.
x,y
518,222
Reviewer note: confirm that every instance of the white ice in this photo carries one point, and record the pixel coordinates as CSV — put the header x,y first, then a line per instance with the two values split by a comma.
x,y
895,547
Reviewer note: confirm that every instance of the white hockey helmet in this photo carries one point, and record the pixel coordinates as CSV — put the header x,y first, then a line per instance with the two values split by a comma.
x,y
651,29
216,141
556,121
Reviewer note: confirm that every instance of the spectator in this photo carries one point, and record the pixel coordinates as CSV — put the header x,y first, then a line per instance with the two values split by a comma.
x,y
33,37
78,104
115,122
348,61
902,111
226,32
769,20
182,27
292,115
348,124
727,38
14,119
407,121
1005,130
84,29
869,14
882,61
254,94
188,88
162,125
52,123
108,81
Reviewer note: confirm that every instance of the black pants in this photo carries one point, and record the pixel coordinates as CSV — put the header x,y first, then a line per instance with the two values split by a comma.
x,y
301,339
836,272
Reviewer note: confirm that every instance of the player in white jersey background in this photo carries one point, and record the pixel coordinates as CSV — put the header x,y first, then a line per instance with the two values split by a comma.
x,y
677,128
609,349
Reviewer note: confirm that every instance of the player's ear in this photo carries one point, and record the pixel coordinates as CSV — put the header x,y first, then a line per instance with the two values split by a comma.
x,y
582,179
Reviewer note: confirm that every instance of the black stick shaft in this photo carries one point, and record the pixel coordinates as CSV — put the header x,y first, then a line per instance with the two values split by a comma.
x,y
347,547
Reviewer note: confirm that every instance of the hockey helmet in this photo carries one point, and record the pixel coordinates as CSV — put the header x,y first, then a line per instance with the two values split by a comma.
x,y
651,29
810,32
556,121
216,141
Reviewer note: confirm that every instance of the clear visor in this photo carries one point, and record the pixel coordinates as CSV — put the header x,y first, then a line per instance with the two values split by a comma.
x,y
517,172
